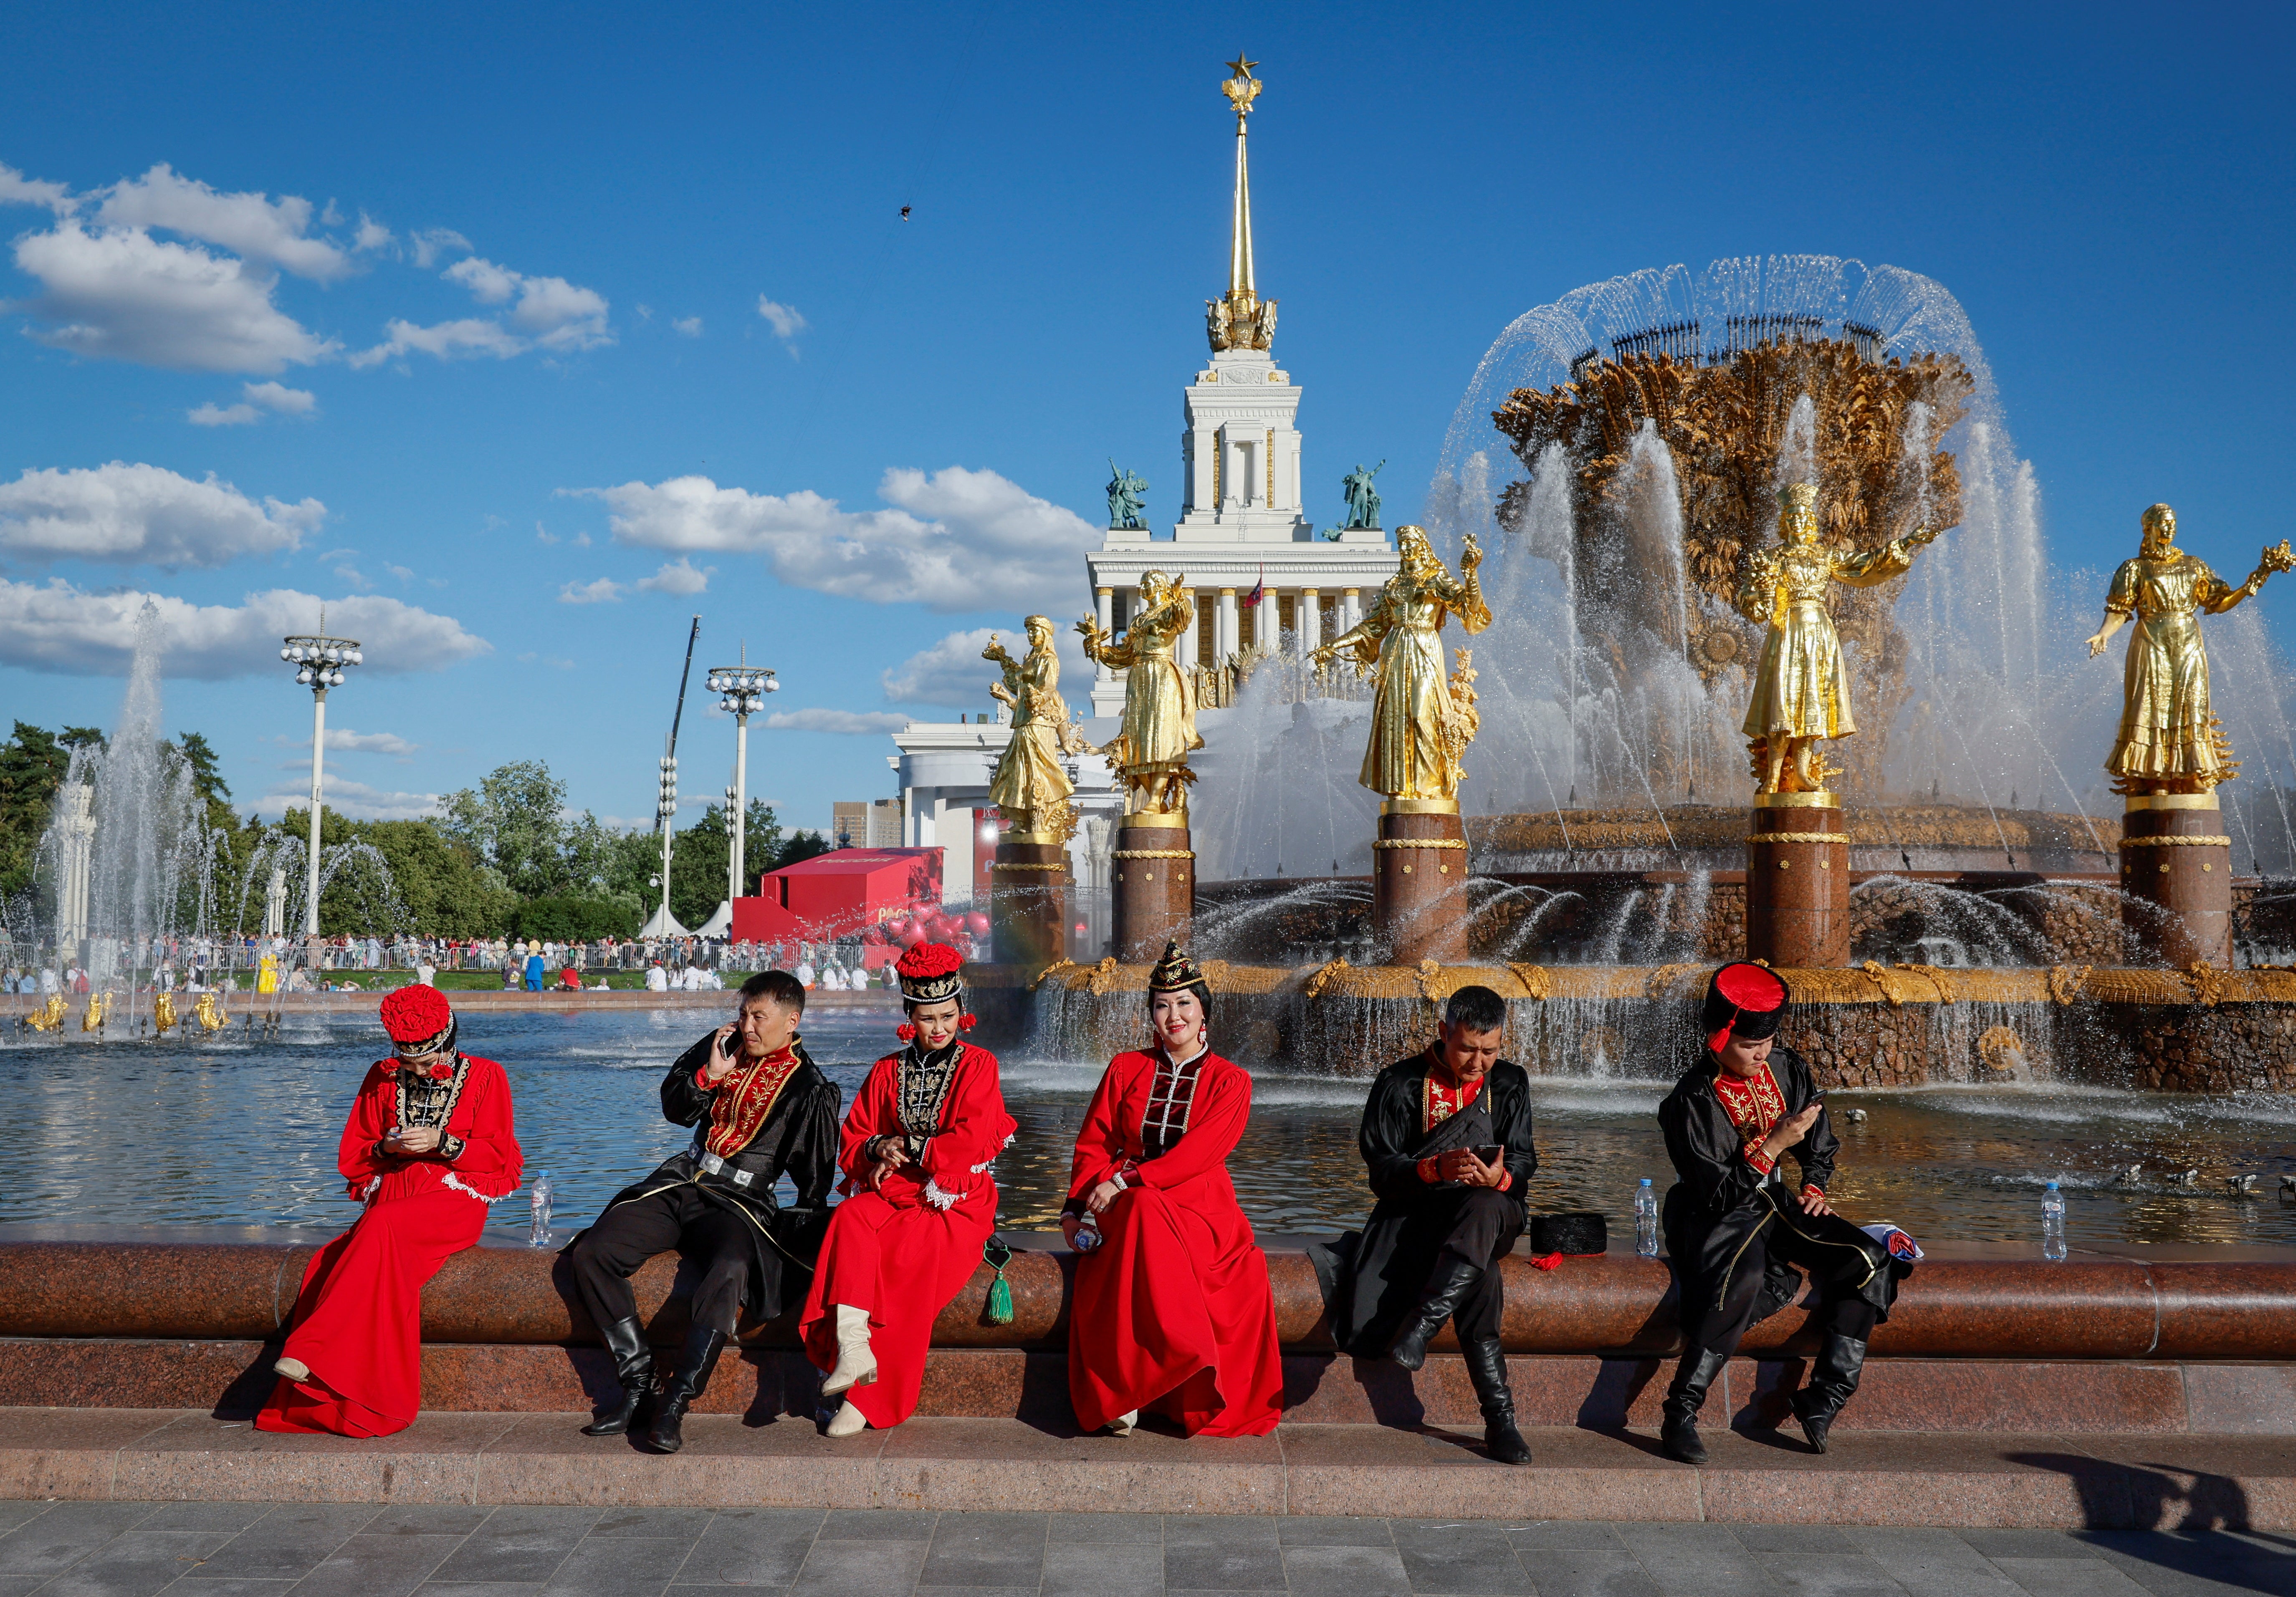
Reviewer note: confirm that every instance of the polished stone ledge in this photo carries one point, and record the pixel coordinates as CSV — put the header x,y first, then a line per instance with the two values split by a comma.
x,y
2073,1482
2224,1305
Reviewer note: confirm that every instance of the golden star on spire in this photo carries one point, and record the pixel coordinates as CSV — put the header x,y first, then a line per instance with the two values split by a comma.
x,y
1240,67
1241,88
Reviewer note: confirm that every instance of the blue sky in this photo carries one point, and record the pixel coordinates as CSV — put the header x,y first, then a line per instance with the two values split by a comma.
x,y
459,315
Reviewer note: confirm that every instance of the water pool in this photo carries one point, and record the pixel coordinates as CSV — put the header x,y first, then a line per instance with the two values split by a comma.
x,y
244,1132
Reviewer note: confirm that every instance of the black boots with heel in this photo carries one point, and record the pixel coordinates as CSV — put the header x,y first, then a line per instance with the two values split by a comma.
x,y
1487,1368
702,1345
625,1339
1677,1436
1447,1289
1832,1379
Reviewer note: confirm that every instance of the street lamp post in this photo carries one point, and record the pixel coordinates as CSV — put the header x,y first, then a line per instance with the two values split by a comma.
x,y
665,809
742,689
319,662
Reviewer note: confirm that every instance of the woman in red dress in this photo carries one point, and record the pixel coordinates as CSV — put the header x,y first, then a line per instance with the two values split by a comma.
x,y
920,1204
428,1146
1172,1302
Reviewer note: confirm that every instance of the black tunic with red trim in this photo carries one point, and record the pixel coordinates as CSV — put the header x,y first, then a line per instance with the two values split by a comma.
x,y
774,1118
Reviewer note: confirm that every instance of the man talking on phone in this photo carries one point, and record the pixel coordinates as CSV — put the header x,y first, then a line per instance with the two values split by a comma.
x,y
760,1109
1446,1144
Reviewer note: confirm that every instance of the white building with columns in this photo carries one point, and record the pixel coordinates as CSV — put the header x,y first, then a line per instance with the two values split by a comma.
x,y
1242,528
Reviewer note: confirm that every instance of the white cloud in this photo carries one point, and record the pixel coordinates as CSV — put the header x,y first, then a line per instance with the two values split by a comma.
x,y
16,189
691,326
372,234
254,225
356,800
120,294
432,243
472,335
787,323
344,739
836,720
142,515
605,590
260,397
956,540
63,628
678,576
951,671
550,313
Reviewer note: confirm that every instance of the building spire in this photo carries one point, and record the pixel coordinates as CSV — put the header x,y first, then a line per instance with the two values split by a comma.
x,y
1241,320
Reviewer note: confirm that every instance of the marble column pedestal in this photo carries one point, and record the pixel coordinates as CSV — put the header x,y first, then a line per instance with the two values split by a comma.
x,y
1798,881
2176,868
1151,885
1419,881
1028,902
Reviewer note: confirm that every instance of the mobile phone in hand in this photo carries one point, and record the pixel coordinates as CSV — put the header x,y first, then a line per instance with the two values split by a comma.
x,y
728,1043
1490,1154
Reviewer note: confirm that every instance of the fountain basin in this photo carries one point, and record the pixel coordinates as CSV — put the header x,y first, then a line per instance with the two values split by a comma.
x,y
1874,1026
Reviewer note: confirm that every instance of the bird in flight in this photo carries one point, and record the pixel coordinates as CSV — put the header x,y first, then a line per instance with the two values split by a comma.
x,y
904,213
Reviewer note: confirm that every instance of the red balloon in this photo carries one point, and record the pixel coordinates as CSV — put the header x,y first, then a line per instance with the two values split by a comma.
x,y
977,923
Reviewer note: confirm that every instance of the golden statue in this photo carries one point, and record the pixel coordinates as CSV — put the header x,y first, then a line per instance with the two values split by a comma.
x,y
1419,727
163,1011
1801,691
209,1012
49,1015
1160,699
2170,740
1031,787
92,1020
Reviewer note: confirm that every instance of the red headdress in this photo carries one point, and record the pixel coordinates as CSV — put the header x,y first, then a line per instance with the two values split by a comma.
x,y
421,1024
1744,1000
929,974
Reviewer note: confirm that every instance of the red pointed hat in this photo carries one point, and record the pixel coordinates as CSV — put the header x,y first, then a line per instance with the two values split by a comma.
x,y
929,974
1744,1000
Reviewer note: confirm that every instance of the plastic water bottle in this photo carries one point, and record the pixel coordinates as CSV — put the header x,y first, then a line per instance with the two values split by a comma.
x,y
540,1235
2052,1223
1646,1220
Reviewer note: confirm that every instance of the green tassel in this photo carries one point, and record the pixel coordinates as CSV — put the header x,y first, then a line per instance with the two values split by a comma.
x,y
1000,1293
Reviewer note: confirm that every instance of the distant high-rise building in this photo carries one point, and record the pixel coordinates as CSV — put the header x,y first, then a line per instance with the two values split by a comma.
x,y
872,824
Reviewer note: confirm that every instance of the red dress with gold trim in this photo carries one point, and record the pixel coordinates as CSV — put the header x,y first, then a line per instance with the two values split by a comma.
x,y
903,1251
359,1321
1174,1303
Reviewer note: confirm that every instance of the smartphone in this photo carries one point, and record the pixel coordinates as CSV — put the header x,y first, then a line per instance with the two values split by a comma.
x,y
728,1043
1490,1155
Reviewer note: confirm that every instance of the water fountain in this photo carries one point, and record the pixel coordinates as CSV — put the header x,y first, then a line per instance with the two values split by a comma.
x,y
1618,453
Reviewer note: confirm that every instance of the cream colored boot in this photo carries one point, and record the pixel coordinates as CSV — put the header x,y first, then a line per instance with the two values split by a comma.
x,y
1121,1426
294,1369
856,1365
848,1422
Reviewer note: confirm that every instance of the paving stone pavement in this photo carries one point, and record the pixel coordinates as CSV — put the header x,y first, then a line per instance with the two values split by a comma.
x,y
337,1549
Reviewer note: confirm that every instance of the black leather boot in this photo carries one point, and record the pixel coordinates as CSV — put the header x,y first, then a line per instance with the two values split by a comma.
x,y
1677,1434
625,1339
1447,1288
702,1345
1841,1361
1487,1368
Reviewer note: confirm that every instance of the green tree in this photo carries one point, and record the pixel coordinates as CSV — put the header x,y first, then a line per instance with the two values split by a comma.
x,y
514,821
32,766
697,868
802,844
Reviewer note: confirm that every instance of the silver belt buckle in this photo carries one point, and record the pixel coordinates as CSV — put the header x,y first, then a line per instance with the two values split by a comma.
x,y
712,1163
743,1178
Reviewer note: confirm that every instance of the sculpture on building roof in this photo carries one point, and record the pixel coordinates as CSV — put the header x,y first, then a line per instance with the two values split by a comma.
x,y
1128,498
1363,499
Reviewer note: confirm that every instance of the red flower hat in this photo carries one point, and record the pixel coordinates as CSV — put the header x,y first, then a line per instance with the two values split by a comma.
x,y
928,973
421,1022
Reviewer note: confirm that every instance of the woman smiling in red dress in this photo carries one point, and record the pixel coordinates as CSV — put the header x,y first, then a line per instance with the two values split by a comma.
x,y
428,1146
1173,1305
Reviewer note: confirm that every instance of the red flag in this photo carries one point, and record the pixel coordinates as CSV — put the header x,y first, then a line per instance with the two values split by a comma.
x,y
1251,599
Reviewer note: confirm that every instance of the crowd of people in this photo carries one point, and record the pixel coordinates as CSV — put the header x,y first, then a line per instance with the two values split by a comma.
x,y
1171,1312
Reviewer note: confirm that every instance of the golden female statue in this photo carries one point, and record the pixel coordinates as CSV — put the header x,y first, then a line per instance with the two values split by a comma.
x,y
1801,691
1419,728
1159,698
1030,787
2169,740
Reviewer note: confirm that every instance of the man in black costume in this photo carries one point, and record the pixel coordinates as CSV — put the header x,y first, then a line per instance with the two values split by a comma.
x,y
761,1110
1447,1143
1733,1231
